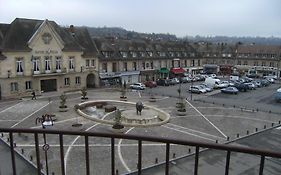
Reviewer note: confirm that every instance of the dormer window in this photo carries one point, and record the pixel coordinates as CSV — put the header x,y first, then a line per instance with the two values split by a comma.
x,y
184,54
124,54
162,54
178,54
134,54
171,54
149,54
106,54
142,54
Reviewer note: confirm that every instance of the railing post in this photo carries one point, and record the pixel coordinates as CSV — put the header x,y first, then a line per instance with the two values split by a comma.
x,y
62,154
12,153
196,160
139,157
37,153
227,163
167,158
87,155
112,156
261,165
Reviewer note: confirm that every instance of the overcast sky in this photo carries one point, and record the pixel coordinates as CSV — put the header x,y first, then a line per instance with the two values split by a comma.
x,y
180,17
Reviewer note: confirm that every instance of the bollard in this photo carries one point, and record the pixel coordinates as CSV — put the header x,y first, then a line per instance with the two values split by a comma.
x,y
279,122
22,151
227,138
222,104
241,109
264,127
189,150
2,135
234,106
31,158
8,139
269,111
247,132
117,172
272,124
15,145
213,102
216,141
253,110
237,135
257,110
53,173
256,129
156,160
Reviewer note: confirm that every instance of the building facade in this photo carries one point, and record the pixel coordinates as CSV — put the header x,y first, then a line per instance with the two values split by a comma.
x,y
42,56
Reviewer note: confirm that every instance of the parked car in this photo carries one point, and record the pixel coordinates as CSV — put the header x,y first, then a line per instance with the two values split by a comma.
x,y
150,84
241,86
175,80
251,86
278,95
185,79
265,82
197,89
208,88
257,83
223,84
162,82
271,80
230,90
138,86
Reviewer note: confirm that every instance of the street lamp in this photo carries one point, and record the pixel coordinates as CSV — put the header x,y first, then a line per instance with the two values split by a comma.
x,y
46,122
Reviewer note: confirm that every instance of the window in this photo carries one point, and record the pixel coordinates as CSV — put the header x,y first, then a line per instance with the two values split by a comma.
x,y
71,63
114,67
58,63
124,54
142,54
19,64
77,80
239,62
193,63
147,65
87,63
149,54
28,85
14,87
263,63
185,63
245,62
35,64
134,54
271,64
198,62
93,63
135,65
104,67
143,65
125,66
151,64
47,64
66,81
256,63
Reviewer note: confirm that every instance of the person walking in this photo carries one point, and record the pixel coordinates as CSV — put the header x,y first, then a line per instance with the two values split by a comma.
x,y
33,95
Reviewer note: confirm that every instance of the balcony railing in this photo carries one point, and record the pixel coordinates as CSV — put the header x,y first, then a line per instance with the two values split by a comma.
x,y
140,139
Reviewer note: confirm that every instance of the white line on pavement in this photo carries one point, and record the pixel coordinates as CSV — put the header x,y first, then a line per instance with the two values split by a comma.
x,y
162,98
9,120
120,154
206,119
98,145
203,133
188,133
139,94
10,107
30,115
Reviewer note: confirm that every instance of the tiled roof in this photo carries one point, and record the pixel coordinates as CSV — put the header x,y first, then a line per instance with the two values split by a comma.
x,y
259,49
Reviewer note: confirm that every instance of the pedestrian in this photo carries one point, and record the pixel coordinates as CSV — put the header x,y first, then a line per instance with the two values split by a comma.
x,y
33,95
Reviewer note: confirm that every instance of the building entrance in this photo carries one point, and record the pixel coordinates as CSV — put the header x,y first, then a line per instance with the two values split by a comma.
x,y
90,81
49,85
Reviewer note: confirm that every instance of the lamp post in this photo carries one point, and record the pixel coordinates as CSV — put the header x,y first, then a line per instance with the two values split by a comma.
x,y
46,122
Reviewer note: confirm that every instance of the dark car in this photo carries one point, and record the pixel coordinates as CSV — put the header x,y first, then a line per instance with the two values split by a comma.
x,y
241,87
162,82
150,84
230,90
265,82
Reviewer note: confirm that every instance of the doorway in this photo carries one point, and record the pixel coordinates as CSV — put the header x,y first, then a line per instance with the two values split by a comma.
x,y
49,85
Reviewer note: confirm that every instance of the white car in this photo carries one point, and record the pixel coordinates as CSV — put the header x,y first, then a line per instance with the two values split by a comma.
x,y
138,86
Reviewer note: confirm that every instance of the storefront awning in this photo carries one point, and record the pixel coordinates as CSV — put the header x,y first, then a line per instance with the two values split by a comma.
x,y
177,70
164,70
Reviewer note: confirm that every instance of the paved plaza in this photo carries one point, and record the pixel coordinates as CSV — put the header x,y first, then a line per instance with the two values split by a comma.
x,y
204,121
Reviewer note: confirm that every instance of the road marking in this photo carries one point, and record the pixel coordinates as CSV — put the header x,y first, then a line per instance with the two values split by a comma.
x,y
10,107
203,133
30,115
9,120
139,94
188,133
120,154
72,143
162,98
206,119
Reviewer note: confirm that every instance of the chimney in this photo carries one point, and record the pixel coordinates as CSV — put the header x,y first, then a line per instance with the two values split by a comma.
x,y
72,30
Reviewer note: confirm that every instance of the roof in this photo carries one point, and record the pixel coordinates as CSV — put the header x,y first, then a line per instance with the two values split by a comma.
x,y
19,32
259,49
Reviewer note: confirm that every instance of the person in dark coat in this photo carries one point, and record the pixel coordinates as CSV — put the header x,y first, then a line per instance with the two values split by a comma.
x,y
33,95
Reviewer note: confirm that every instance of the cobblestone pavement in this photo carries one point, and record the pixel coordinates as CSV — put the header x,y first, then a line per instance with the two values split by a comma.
x,y
204,122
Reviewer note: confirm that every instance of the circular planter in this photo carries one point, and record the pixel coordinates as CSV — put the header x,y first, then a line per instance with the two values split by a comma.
x,y
63,108
118,128
181,113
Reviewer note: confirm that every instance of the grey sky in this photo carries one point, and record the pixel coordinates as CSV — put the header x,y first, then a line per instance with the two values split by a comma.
x,y
180,17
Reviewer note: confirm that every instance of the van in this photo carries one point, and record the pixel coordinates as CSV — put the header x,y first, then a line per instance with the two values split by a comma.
x,y
212,82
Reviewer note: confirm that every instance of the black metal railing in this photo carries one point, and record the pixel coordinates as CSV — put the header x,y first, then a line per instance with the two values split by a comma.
x,y
140,139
